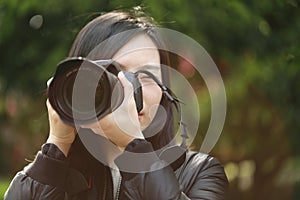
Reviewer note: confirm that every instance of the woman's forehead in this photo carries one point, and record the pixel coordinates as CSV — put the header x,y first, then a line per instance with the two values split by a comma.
x,y
138,52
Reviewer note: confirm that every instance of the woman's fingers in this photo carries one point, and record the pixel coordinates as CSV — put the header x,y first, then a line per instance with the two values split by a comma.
x,y
128,89
58,129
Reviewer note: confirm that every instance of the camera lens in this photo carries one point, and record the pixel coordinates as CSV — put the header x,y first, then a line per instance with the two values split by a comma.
x,y
81,91
84,93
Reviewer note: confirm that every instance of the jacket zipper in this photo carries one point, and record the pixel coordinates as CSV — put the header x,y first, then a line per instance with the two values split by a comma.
x,y
119,188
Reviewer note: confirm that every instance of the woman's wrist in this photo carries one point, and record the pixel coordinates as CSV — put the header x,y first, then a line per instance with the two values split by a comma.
x,y
124,142
63,146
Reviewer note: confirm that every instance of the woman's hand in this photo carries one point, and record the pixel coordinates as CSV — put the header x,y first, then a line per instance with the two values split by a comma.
x,y
122,125
60,134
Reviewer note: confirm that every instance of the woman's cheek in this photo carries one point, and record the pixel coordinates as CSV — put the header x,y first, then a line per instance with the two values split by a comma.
x,y
152,98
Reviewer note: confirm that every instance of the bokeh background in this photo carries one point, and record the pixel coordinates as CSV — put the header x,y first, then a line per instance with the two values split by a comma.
x,y
255,44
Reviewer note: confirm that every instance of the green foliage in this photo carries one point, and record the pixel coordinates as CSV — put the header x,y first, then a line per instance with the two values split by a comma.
x,y
3,186
31,53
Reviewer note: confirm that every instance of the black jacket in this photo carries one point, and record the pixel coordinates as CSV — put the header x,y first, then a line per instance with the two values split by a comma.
x,y
80,176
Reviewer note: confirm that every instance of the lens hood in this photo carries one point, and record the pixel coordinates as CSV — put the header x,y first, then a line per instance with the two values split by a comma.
x,y
83,91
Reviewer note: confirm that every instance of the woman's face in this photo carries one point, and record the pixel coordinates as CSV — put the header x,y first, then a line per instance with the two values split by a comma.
x,y
141,53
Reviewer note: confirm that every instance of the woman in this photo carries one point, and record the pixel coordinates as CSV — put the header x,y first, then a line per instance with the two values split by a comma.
x,y
65,169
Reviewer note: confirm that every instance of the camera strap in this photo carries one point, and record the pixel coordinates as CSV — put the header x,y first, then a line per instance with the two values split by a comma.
x,y
175,101
133,78
137,89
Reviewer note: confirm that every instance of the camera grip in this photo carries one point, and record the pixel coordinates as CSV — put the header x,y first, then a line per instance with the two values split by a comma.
x,y
137,89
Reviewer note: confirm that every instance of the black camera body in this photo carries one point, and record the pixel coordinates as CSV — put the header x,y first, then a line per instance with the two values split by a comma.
x,y
83,91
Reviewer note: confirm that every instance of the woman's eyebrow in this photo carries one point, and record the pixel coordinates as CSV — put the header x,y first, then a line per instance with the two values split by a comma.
x,y
149,67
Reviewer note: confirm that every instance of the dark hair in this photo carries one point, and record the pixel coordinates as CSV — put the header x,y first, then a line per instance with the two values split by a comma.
x,y
97,40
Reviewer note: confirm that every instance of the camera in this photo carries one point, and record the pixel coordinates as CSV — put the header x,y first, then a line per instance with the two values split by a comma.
x,y
82,91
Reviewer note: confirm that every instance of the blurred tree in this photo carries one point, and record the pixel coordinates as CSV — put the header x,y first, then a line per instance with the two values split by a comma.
x,y
34,37
255,45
